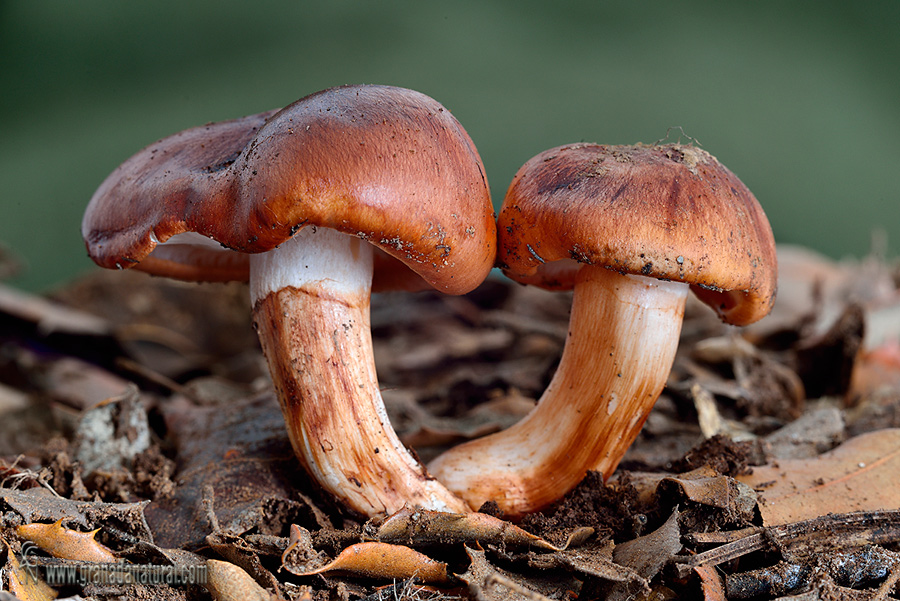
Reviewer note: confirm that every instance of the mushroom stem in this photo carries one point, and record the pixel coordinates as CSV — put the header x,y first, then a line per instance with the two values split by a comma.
x,y
623,334
311,301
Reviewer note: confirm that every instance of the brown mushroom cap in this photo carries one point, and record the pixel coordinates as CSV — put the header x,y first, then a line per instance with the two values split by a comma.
x,y
670,212
387,164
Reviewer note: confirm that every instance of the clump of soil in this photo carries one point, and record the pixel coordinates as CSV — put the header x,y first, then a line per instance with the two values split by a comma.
x,y
611,509
722,454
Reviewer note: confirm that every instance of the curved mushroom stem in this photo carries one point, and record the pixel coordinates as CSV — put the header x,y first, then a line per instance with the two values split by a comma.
x,y
311,310
623,333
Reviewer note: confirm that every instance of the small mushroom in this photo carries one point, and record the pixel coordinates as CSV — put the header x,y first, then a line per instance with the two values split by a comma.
x,y
631,229
308,193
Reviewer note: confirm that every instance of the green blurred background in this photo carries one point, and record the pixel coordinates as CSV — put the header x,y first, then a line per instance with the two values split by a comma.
x,y
800,99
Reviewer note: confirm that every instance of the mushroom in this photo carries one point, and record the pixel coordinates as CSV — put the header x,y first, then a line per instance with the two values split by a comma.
x,y
308,193
630,229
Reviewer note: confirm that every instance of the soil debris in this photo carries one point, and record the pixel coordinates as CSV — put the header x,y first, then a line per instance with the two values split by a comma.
x,y
141,409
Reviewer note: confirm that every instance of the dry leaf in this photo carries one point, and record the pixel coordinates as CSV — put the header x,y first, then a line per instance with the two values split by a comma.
x,y
647,554
80,384
164,322
486,583
647,483
370,559
243,454
24,582
50,317
228,582
66,544
39,505
718,491
383,560
421,527
859,475
816,431
239,553
594,560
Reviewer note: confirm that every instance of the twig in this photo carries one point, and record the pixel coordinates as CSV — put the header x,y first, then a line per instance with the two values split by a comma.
x,y
157,378
831,531
493,579
26,473
208,504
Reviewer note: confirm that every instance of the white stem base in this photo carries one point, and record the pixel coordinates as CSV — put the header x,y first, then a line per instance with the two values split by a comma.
x,y
311,309
623,334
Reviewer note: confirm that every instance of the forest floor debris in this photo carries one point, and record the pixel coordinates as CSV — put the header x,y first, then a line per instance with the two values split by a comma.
x,y
137,419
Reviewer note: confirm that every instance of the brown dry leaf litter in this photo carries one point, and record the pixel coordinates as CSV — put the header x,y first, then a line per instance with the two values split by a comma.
x,y
141,408
863,474
418,527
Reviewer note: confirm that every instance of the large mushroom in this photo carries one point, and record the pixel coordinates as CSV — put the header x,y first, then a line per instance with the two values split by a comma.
x,y
631,229
309,202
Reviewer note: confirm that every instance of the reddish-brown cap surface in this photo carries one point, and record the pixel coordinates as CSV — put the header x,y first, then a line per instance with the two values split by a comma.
x,y
671,212
389,165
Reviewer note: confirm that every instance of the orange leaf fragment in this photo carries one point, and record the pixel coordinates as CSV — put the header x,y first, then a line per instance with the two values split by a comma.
x,y
383,560
859,475
66,544
24,582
